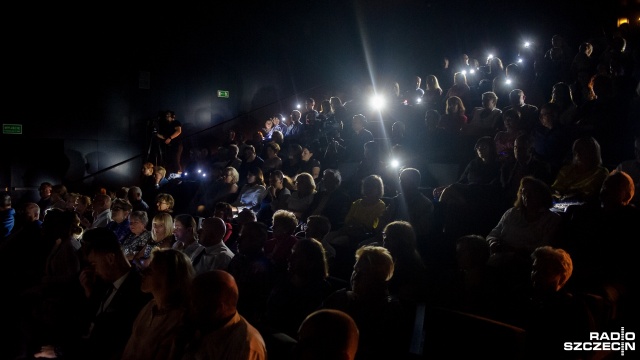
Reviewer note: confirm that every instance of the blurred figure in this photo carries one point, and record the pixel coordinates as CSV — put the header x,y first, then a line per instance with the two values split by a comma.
x,y
327,334
218,330
168,278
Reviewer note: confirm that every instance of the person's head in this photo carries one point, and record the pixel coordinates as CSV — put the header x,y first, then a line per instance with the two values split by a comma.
x,y
418,81
318,226
134,194
120,210
561,94
275,119
185,228
233,151
549,115
431,82
331,179
212,231
295,116
523,148
249,153
358,123
161,226
399,238
223,210
169,115
516,98
31,212
230,175
308,262
454,105
459,78
617,190
372,187
255,176
586,48
486,148
123,193
160,173
586,152
272,148
371,151
104,254
327,334
148,168
410,180
432,118
57,223
213,299
335,103
489,100
373,268
512,71
305,185
245,216
309,104
397,129
511,119
101,202
533,194
295,152
284,223
276,179
83,203
165,202
168,275
277,137
252,237
551,269
308,151
58,192
45,190
138,221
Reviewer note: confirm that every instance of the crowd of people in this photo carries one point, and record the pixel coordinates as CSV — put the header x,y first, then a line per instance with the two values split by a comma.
x,y
306,242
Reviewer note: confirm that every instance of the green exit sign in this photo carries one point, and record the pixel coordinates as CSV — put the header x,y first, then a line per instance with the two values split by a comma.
x,y
15,129
223,93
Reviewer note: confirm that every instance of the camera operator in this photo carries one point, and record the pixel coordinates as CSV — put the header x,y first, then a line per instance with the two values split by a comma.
x,y
170,141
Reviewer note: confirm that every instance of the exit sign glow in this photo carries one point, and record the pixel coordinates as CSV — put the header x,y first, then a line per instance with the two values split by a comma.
x,y
15,129
223,93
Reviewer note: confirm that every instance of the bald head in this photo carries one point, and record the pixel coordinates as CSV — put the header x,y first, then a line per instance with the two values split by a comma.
x,y
212,231
327,334
214,296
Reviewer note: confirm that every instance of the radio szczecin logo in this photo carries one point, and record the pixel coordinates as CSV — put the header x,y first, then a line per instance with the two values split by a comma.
x,y
605,341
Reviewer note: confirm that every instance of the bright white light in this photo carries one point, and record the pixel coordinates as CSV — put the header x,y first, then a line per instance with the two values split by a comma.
x,y
199,171
298,106
520,60
377,102
395,163
418,100
204,175
472,71
185,174
508,82
490,56
527,44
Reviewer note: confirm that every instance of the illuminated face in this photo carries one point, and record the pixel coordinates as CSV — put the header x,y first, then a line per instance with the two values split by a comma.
x,y
306,154
118,215
137,227
162,205
159,230
180,231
